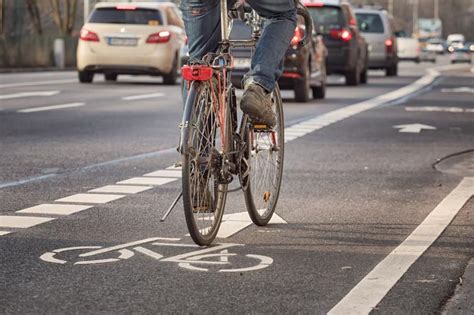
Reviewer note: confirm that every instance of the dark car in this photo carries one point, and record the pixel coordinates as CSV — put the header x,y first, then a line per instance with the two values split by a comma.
x,y
347,48
304,66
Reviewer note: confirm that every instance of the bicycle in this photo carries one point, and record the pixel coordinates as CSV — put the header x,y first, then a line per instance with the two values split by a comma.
x,y
215,147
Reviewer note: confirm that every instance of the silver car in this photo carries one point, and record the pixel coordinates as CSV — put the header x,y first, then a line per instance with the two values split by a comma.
x,y
377,28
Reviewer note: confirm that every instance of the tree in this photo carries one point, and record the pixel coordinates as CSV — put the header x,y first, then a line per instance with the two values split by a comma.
x,y
33,10
64,14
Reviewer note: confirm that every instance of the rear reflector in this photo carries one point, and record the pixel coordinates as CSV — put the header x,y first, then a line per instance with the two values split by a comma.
x,y
297,37
88,36
196,73
157,38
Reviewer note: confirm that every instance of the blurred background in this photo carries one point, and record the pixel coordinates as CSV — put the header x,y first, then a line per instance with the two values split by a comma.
x,y
28,28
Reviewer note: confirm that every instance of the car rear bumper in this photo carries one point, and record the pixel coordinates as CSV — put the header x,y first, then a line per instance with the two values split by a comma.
x,y
339,60
158,62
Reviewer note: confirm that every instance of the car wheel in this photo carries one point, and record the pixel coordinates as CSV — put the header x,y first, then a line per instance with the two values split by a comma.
x,y
392,71
319,92
111,77
364,76
417,60
353,77
170,78
85,76
302,88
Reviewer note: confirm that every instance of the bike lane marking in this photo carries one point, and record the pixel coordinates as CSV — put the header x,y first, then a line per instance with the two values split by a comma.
x,y
90,198
156,181
48,208
22,222
121,189
236,222
365,296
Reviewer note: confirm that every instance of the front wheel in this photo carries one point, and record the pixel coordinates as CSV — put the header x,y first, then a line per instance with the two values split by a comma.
x,y
264,159
205,144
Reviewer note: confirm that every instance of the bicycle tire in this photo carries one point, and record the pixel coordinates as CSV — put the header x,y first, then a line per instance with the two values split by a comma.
x,y
203,198
262,186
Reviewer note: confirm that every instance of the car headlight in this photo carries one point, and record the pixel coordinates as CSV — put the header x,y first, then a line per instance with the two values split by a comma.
x,y
471,48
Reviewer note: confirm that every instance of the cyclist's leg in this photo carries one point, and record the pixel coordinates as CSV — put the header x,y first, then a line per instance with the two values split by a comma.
x,y
267,62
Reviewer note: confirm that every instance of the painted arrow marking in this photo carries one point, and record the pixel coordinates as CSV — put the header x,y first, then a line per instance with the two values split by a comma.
x,y
28,94
413,128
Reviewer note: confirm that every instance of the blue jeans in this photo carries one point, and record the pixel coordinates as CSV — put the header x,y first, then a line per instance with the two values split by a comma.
x,y
203,28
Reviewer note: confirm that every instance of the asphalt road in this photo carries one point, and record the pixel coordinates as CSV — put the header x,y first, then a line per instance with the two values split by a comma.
x,y
358,185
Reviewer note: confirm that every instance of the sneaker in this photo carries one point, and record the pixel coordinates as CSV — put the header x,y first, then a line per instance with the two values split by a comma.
x,y
257,103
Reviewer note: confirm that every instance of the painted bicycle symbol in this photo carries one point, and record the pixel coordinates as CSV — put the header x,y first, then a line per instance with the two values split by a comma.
x,y
217,256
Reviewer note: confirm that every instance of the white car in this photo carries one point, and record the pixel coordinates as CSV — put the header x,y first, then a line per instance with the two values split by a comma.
x,y
409,49
131,38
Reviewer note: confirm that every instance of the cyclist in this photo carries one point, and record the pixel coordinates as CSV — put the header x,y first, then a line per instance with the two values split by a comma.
x,y
202,22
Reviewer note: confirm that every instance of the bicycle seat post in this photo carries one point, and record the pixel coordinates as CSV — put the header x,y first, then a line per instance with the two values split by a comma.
x,y
224,21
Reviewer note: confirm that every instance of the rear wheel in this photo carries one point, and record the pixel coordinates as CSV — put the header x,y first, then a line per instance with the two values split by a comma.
x,y
264,155
204,195
170,78
364,76
111,77
302,88
319,92
85,76
353,77
392,71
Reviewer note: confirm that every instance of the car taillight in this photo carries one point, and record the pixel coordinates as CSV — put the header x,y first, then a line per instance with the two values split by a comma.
x,y
389,45
297,37
88,36
343,34
157,38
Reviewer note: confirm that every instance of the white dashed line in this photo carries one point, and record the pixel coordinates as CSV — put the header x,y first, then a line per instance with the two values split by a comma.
x,y
28,94
10,221
372,289
91,198
121,189
165,173
155,181
59,209
235,222
141,97
52,107
47,82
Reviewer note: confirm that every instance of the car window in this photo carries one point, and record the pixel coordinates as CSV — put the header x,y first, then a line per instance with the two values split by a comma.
x,y
327,18
370,23
127,16
173,18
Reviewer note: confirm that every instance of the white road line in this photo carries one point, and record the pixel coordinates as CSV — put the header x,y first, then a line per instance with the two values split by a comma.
x,y
141,97
91,198
28,94
121,189
165,173
52,107
49,208
47,82
439,109
4,233
235,222
10,221
372,289
155,181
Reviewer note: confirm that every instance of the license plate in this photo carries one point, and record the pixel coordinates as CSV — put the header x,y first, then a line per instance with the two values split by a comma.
x,y
242,63
117,41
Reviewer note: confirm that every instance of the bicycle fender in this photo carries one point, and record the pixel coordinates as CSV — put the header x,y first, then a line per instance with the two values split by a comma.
x,y
187,115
